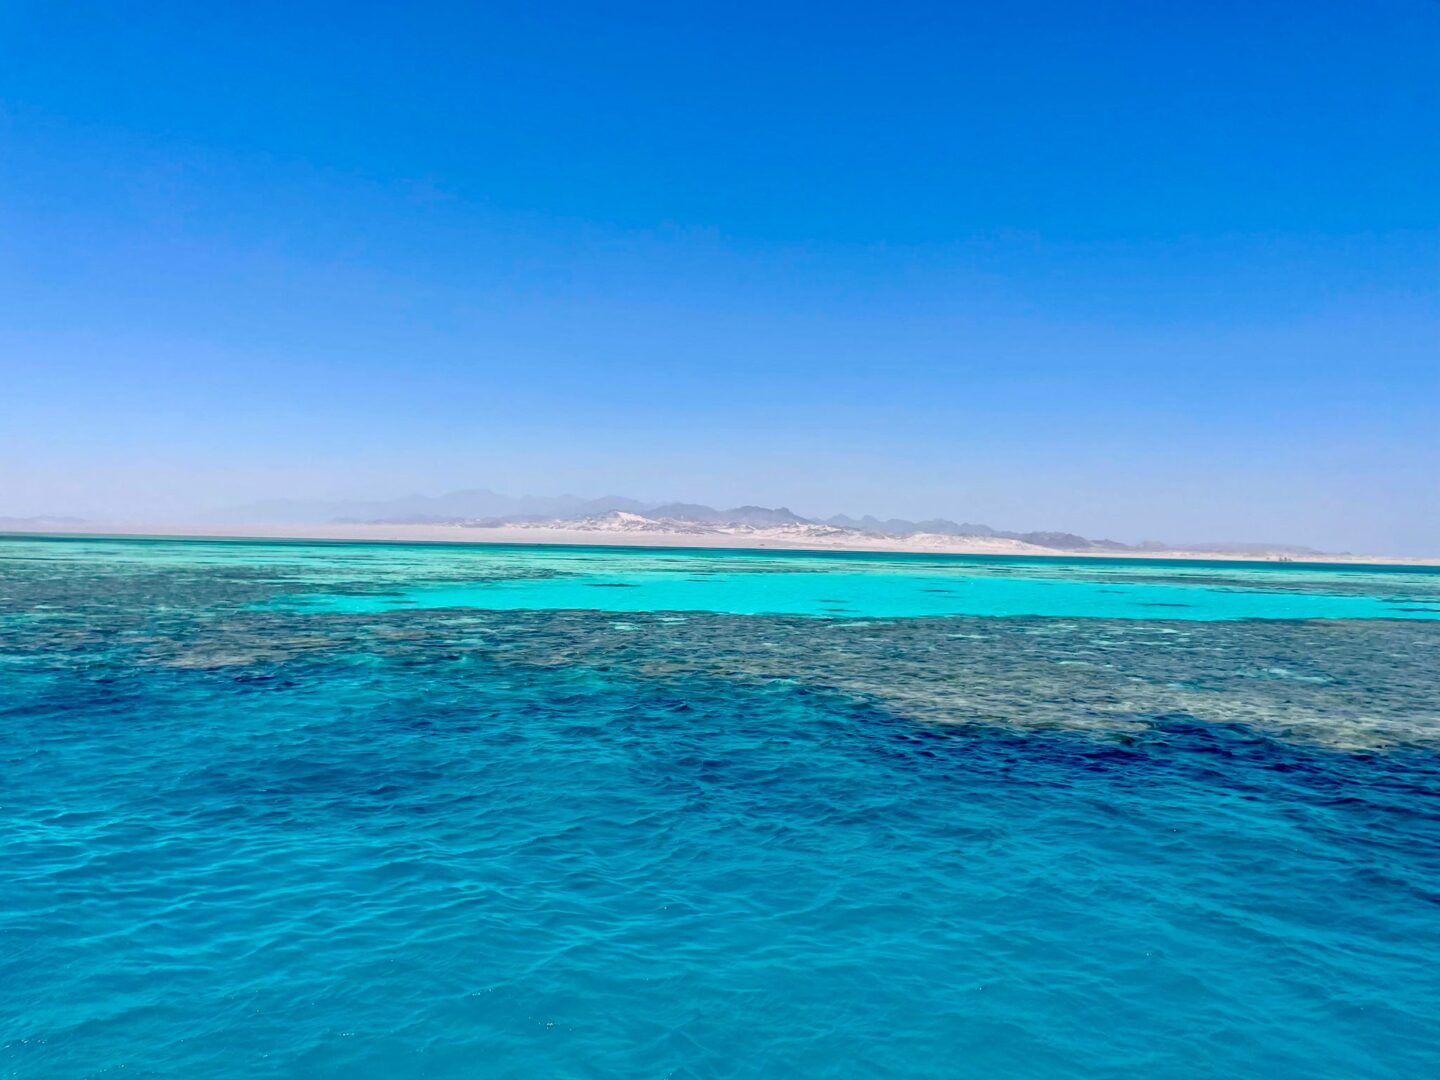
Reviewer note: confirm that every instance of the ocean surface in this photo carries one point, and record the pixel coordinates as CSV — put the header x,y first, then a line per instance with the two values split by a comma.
x,y
295,809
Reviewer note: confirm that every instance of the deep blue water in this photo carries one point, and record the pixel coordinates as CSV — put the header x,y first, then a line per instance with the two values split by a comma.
x,y
246,833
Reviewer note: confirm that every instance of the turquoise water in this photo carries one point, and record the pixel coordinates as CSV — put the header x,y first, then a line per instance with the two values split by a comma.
x,y
888,591
285,809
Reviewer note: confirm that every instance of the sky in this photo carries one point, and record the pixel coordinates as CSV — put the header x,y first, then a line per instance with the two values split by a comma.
x,y
1131,270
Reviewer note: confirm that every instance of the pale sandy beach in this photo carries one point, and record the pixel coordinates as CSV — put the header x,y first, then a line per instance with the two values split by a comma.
x,y
804,538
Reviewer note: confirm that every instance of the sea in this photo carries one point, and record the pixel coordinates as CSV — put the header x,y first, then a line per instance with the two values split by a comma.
x,y
325,809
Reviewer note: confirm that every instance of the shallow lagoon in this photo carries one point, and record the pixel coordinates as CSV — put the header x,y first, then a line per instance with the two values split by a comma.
x,y
312,809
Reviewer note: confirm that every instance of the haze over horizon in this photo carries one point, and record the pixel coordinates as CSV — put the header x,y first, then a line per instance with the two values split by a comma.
x,y
1125,271
491,507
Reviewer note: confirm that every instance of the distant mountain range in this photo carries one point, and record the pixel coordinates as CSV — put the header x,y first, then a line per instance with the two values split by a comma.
x,y
480,507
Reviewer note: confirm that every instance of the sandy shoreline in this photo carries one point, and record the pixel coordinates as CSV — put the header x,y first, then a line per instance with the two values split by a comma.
x,y
757,540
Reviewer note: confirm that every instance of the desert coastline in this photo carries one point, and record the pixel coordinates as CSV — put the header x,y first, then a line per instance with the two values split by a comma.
x,y
591,535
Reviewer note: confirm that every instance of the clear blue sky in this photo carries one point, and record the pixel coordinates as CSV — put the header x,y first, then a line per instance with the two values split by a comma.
x,y
1133,270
